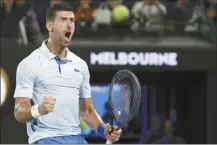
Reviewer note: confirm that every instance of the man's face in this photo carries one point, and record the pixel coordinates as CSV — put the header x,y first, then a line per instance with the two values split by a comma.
x,y
63,27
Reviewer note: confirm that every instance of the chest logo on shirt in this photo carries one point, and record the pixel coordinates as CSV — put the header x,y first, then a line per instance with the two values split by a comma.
x,y
76,70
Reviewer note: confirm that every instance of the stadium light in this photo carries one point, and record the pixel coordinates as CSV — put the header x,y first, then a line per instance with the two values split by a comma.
x,y
4,86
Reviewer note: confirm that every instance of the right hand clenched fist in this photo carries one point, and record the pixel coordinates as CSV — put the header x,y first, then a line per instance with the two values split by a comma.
x,y
47,105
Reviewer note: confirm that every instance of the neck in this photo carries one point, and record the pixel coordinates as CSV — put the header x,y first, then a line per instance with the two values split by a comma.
x,y
56,49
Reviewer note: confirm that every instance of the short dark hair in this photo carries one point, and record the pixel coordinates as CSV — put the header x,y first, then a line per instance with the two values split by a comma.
x,y
60,6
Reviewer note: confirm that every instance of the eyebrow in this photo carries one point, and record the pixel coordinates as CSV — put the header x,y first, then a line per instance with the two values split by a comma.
x,y
71,18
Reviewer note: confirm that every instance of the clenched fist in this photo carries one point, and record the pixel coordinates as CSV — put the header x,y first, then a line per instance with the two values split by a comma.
x,y
47,105
113,136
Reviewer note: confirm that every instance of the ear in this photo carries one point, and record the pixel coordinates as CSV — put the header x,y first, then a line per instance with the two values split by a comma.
x,y
49,26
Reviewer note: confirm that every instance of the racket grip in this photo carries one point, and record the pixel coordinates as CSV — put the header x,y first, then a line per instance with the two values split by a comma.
x,y
108,142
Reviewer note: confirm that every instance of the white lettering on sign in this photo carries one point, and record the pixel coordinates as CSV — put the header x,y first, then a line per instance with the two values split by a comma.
x,y
134,58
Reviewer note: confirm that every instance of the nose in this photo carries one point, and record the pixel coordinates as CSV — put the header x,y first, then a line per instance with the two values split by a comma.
x,y
69,25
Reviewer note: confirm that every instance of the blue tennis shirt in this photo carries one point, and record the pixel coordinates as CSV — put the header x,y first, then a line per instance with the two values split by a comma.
x,y
43,74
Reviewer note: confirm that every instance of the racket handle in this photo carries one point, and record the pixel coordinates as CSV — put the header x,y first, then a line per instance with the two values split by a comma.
x,y
108,142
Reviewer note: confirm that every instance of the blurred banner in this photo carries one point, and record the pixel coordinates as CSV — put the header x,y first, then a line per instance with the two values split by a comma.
x,y
146,58
111,57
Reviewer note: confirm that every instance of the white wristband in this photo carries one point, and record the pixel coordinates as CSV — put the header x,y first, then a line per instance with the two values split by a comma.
x,y
35,112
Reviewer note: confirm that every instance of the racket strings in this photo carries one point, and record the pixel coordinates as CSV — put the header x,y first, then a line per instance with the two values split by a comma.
x,y
129,81
122,102
125,96
120,111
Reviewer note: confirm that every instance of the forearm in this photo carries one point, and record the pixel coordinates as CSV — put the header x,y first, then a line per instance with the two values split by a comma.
x,y
22,112
92,119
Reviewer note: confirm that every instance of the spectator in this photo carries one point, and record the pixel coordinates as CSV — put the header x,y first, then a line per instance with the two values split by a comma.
x,y
152,134
120,12
212,10
19,23
84,14
169,137
197,20
179,15
102,16
30,22
150,13
120,17
10,20
111,14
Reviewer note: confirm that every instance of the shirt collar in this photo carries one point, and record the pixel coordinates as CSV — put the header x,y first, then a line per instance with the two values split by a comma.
x,y
49,55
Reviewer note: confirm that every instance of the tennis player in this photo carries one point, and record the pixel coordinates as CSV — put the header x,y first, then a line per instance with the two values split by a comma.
x,y
53,89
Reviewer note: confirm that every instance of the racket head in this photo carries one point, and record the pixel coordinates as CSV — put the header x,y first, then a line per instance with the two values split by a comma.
x,y
124,96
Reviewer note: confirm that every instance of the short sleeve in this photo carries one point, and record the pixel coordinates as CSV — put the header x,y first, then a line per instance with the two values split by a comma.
x,y
85,91
24,81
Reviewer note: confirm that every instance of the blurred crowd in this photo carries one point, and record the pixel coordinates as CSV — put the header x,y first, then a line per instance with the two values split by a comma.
x,y
161,133
24,20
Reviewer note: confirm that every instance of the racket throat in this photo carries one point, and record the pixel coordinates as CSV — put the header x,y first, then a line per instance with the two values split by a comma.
x,y
112,123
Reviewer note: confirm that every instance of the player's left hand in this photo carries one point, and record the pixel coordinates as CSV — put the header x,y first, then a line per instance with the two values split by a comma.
x,y
114,135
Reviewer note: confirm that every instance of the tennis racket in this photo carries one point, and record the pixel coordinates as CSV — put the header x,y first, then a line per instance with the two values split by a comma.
x,y
124,97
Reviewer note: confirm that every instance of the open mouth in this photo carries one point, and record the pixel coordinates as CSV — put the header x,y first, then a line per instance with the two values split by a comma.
x,y
67,34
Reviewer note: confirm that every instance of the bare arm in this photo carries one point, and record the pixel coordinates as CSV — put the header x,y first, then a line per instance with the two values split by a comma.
x,y
22,110
89,114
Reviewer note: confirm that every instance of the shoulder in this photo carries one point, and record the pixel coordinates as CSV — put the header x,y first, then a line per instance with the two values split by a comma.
x,y
30,62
